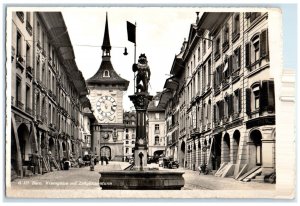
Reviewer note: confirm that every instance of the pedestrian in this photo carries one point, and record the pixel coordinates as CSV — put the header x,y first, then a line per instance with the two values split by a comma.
x,y
92,164
106,160
95,160
101,158
35,162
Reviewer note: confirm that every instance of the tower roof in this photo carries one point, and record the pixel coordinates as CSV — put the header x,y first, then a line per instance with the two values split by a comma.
x,y
106,41
106,75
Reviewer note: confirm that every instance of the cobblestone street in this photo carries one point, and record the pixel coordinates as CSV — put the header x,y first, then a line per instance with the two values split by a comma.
x,y
83,178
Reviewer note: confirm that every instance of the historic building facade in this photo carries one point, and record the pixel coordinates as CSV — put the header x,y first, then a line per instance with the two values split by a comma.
x,y
156,127
129,134
106,96
48,93
228,100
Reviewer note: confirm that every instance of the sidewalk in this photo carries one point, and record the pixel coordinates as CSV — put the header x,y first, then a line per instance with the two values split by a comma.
x,y
194,181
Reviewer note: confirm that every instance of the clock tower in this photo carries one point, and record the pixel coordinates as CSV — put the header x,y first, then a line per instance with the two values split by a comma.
x,y
106,96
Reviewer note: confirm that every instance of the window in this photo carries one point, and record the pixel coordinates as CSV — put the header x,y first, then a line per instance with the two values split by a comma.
x,y
18,90
209,73
27,101
156,140
256,50
204,46
199,53
132,142
217,49
252,16
126,130
19,45
156,116
28,56
127,136
126,150
225,35
106,73
256,97
156,128
237,107
127,142
49,114
38,32
204,79
49,79
236,27
236,59
260,98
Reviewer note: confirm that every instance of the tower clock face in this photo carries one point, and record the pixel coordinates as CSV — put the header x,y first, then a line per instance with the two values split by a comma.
x,y
106,106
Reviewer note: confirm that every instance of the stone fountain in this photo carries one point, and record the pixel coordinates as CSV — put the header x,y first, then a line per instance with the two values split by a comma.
x,y
141,177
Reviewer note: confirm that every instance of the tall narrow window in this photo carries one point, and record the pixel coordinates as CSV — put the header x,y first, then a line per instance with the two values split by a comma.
x,y
28,56
38,32
18,90
209,73
156,128
19,45
156,141
204,46
27,102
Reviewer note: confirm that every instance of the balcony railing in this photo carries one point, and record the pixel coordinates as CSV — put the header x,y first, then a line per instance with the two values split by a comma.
x,y
225,46
20,105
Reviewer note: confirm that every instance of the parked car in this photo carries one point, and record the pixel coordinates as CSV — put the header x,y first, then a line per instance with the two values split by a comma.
x,y
170,163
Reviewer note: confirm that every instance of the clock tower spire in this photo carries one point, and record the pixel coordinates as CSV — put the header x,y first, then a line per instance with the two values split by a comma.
x,y
106,47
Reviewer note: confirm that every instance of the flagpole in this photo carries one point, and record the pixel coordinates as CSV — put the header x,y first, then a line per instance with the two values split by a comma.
x,y
134,57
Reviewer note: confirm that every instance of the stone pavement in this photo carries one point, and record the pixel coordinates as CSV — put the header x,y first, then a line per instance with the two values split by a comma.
x,y
83,178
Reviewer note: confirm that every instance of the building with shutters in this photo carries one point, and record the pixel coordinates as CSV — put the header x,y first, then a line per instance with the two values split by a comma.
x,y
48,93
156,127
129,120
228,109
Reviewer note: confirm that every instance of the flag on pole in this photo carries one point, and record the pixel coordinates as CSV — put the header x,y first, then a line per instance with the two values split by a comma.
x,y
131,32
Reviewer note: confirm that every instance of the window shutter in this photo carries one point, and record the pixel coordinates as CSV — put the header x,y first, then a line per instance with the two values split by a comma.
x,y
229,65
263,96
248,52
271,97
248,101
240,100
264,43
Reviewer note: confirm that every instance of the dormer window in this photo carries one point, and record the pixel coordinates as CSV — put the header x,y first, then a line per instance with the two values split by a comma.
x,y
106,73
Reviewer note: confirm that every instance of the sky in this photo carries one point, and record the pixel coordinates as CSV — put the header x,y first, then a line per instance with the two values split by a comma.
x,y
160,33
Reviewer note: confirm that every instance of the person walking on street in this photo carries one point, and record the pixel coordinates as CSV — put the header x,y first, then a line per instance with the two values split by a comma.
x,y
35,162
101,159
106,160
92,164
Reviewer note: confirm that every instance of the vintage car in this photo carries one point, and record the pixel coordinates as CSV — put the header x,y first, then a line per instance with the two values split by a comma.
x,y
170,163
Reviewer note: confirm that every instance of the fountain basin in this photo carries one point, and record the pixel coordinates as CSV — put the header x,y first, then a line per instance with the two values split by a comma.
x,y
141,180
